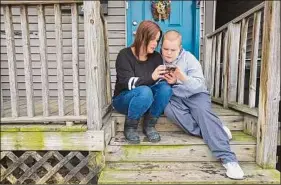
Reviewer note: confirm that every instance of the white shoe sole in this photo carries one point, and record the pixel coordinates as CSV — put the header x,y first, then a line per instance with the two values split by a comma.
x,y
228,132
234,178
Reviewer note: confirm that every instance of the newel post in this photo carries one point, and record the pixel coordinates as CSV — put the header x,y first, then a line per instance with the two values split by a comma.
x,y
92,57
269,97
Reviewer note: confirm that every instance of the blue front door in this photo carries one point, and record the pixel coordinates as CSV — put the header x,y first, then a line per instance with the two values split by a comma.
x,y
183,18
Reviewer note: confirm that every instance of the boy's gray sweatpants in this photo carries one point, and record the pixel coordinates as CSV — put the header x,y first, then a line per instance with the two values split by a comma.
x,y
195,116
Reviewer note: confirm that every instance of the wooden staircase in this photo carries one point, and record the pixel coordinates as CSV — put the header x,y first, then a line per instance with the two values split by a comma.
x,y
180,158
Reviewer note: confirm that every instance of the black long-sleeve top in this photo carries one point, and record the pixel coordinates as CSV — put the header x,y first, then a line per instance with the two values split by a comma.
x,y
132,73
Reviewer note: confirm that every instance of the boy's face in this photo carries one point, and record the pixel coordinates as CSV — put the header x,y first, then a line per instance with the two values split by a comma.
x,y
170,50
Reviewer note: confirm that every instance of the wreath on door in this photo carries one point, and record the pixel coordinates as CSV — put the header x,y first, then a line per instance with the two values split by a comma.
x,y
161,9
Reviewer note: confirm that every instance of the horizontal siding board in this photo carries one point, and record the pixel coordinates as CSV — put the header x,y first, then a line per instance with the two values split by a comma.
x,y
49,10
36,64
116,42
115,49
49,35
38,93
50,19
34,50
36,57
116,11
49,27
36,72
116,27
115,19
52,79
50,42
38,86
116,4
112,64
116,34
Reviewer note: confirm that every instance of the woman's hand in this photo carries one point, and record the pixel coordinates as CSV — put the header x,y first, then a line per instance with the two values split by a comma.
x,y
170,78
158,72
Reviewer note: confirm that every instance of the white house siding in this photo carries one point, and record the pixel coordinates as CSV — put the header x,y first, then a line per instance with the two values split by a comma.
x,y
116,33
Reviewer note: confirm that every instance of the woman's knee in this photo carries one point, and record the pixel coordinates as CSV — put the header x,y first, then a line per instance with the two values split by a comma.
x,y
164,89
145,93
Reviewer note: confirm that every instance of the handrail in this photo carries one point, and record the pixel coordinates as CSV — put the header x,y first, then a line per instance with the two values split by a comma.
x,y
98,102
235,40
237,19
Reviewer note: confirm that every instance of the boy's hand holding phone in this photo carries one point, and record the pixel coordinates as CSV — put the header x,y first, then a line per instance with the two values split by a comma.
x,y
173,74
170,78
169,75
179,74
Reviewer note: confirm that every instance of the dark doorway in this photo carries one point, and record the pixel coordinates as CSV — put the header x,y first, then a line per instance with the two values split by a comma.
x,y
228,10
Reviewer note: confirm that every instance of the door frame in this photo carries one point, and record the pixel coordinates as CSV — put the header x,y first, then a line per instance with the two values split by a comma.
x,y
196,31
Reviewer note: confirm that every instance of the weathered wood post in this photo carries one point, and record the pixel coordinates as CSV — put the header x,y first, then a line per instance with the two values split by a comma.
x,y
267,128
207,61
233,55
11,53
91,21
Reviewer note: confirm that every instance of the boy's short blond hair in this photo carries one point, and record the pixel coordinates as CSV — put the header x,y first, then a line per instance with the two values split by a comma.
x,y
172,35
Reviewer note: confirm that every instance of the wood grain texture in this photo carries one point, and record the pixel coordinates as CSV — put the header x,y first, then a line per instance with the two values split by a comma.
x,y
254,59
243,47
208,62
27,61
91,18
269,87
81,141
175,153
11,60
233,54
218,65
185,173
75,59
59,46
43,58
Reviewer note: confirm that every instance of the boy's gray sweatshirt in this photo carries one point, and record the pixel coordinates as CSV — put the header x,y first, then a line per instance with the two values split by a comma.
x,y
195,81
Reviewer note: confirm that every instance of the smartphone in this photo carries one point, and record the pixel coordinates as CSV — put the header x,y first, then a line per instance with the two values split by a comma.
x,y
170,68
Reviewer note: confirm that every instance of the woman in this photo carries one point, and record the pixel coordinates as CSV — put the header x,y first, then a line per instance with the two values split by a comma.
x,y
138,90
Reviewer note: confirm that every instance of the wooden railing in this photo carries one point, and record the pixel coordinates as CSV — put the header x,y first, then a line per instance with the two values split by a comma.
x,y
225,54
96,63
225,63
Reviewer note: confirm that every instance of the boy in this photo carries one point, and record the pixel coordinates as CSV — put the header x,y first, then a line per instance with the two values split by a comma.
x,y
190,105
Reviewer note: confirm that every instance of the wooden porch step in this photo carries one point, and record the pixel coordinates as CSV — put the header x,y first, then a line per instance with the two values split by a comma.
x,y
181,138
176,146
233,122
182,173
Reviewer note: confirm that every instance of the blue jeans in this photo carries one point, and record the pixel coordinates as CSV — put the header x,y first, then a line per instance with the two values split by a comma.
x,y
136,102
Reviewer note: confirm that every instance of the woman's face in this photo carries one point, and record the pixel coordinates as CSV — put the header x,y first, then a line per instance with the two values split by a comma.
x,y
153,44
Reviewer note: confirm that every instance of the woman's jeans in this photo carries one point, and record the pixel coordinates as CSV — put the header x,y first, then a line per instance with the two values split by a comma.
x,y
136,102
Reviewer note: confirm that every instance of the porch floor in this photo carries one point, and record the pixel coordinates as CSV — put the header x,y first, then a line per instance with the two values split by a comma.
x,y
180,158
38,107
183,173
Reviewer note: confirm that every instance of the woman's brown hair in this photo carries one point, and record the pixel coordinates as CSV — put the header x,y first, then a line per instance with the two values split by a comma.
x,y
147,31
